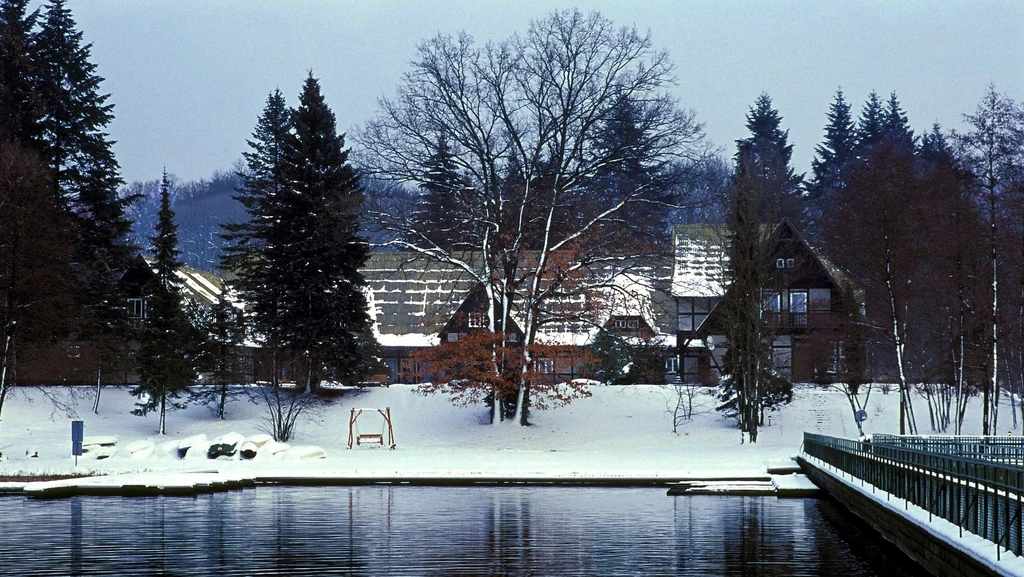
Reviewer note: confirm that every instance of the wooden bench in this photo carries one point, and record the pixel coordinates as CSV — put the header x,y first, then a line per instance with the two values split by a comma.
x,y
370,437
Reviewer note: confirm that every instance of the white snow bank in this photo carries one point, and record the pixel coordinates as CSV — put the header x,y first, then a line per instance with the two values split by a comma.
x,y
620,431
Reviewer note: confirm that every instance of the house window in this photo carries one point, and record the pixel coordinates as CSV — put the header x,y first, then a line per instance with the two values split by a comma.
x,y
692,312
771,302
790,263
798,307
627,324
513,337
672,364
781,263
837,362
820,300
477,320
453,337
546,366
137,308
691,365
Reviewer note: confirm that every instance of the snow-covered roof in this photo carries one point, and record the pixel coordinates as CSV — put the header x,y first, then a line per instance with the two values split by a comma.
x,y
700,260
410,298
200,284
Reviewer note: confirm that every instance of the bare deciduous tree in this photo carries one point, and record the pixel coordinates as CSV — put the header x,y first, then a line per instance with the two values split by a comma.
x,y
524,125
994,151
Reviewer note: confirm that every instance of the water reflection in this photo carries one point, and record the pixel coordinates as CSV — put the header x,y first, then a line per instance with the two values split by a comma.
x,y
381,530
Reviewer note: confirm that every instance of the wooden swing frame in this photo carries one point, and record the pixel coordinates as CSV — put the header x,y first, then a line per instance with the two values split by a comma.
x,y
386,436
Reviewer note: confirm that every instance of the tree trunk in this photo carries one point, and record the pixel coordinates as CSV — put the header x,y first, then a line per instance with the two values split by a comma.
x,y
222,401
99,384
163,413
4,364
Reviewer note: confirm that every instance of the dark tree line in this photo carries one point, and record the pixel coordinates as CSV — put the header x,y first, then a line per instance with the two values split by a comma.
x,y
63,179
929,226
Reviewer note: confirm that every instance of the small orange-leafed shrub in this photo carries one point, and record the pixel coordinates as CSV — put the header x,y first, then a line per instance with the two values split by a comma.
x,y
471,370
480,367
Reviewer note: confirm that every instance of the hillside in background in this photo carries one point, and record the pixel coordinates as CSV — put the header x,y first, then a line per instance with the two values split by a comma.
x,y
201,208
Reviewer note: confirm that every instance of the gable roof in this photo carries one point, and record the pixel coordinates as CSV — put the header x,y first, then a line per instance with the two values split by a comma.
x,y
199,286
701,258
411,298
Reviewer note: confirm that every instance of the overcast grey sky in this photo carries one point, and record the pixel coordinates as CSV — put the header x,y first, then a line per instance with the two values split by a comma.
x,y
189,78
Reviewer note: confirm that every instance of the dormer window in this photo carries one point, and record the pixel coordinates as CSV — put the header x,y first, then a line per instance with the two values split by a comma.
x,y
790,263
780,263
137,308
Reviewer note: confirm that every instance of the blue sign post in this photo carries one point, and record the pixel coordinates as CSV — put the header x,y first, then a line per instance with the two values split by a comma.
x,y
861,416
77,435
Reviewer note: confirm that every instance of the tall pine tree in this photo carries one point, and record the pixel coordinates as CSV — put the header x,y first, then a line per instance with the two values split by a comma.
x,y
871,126
833,158
257,251
86,175
224,333
171,346
437,213
897,127
627,138
323,312
768,151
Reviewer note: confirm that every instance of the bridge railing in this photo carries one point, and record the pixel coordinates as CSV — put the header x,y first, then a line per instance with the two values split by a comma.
x,y
977,495
1005,450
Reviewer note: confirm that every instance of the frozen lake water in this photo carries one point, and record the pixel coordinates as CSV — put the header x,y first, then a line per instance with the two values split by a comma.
x,y
385,530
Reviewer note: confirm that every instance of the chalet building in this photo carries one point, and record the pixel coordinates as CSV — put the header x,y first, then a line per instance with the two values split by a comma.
x,y
802,302
417,303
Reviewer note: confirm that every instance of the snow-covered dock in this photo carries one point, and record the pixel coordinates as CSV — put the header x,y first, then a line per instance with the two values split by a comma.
x,y
193,483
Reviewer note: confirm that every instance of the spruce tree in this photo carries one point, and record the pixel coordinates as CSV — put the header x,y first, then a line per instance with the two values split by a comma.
x,y
767,150
833,158
168,356
871,127
625,138
20,105
935,147
438,218
896,126
257,251
224,333
86,175
323,311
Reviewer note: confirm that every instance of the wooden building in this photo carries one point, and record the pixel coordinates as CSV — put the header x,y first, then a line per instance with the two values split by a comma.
x,y
802,304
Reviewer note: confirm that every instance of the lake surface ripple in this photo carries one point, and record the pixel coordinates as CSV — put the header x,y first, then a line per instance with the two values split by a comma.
x,y
388,530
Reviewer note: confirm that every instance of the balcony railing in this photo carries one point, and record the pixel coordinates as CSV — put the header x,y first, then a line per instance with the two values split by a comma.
x,y
811,320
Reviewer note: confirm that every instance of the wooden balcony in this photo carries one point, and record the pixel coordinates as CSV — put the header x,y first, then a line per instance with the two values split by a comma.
x,y
809,320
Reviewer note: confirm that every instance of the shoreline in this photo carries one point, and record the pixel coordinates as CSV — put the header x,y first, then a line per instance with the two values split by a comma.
x,y
211,481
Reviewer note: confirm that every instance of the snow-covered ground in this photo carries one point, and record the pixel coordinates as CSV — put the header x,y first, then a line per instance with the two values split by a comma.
x,y
619,432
